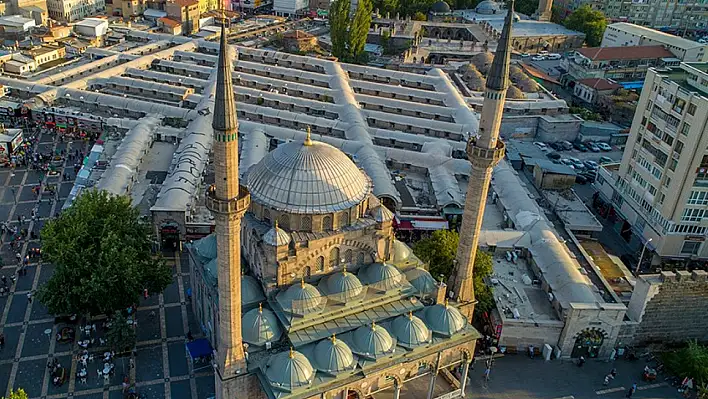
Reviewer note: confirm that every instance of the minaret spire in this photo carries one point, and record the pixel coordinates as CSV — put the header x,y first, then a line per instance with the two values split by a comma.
x,y
228,201
484,151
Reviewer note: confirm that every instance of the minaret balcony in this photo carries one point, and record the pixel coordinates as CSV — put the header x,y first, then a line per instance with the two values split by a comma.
x,y
485,157
238,204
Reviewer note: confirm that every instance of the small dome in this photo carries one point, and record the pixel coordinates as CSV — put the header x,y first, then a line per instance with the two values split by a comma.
x,y
410,330
401,252
372,340
381,214
260,326
251,292
276,237
381,276
333,355
345,285
444,319
307,178
289,370
422,280
440,7
301,298
487,7
206,247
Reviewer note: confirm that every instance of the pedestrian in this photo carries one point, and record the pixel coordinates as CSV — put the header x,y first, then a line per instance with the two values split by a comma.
x,y
2,340
581,361
145,293
613,373
607,380
631,390
29,297
4,280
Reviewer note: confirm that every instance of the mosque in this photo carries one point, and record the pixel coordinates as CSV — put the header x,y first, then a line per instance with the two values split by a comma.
x,y
303,291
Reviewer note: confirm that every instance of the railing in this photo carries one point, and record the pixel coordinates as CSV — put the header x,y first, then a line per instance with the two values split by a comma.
x,y
490,154
233,205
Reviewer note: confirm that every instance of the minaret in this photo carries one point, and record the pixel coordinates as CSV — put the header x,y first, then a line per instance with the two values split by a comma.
x,y
228,201
484,151
544,11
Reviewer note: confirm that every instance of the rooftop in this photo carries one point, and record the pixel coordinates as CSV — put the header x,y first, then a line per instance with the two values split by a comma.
x,y
92,22
516,292
599,84
624,53
531,28
656,35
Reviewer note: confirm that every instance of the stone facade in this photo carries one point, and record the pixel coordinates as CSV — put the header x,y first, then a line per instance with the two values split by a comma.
x,y
670,307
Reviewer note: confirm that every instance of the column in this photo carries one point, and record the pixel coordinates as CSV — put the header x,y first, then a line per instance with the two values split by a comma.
x,y
396,390
463,379
433,378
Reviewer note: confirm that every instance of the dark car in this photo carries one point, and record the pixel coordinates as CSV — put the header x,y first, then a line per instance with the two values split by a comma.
x,y
566,145
580,147
581,179
593,147
557,146
553,155
603,160
591,176
591,165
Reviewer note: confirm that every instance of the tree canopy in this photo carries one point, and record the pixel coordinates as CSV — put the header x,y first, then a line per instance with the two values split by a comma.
x,y
359,31
439,250
103,256
527,7
589,21
120,336
339,27
349,33
18,394
691,361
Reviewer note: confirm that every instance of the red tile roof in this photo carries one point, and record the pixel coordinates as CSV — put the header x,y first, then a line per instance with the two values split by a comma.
x,y
169,22
599,84
186,3
625,53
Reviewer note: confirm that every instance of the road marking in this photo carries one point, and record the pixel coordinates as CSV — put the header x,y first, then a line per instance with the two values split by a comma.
x,y
567,397
650,386
610,390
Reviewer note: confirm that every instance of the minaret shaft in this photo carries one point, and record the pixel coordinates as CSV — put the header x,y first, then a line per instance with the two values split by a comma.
x,y
484,151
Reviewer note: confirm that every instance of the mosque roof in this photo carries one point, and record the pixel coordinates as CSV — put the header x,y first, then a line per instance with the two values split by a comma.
x,y
381,276
343,285
251,292
289,370
421,280
440,7
301,298
487,7
372,340
260,326
410,331
333,355
382,214
307,178
276,237
206,247
444,319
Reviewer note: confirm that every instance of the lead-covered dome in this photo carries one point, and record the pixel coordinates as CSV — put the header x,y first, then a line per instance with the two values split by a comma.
x,y
206,247
372,340
487,7
276,237
333,355
260,326
422,281
440,7
307,178
381,276
251,292
289,370
301,298
444,319
382,214
410,330
344,285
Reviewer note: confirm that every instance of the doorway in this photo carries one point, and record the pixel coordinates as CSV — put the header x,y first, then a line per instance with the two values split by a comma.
x,y
588,344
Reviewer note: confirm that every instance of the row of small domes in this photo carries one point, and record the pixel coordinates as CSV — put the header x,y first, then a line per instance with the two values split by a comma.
x,y
293,369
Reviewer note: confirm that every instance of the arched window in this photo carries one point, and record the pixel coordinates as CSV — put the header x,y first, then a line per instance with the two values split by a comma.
x,y
306,223
307,272
327,223
266,216
343,219
284,221
334,257
348,256
320,263
360,258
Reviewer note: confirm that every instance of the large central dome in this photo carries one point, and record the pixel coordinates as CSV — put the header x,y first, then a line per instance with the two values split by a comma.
x,y
307,178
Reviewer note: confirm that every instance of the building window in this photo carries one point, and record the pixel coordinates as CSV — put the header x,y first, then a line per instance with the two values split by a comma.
x,y
360,258
691,247
320,263
327,223
285,221
692,215
679,147
348,256
692,109
308,272
685,129
266,216
343,219
306,223
698,198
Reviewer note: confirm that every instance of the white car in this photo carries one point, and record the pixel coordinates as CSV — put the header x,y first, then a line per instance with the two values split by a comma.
x,y
604,146
541,145
538,58
525,55
554,56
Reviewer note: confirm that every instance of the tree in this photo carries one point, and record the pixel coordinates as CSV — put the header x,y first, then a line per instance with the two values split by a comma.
x,y
339,26
557,15
389,7
121,335
589,21
439,251
419,16
18,394
691,361
359,31
527,7
103,256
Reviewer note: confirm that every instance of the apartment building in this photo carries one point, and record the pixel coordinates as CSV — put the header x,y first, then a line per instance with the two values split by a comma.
x,y
185,12
659,192
625,65
623,34
74,10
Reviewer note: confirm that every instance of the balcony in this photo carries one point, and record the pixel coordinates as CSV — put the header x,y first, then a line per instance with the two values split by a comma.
x,y
227,206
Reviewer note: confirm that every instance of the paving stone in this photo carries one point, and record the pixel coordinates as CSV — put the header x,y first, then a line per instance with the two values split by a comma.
x,y
148,325
171,294
64,361
29,376
205,386
154,391
173,322
181,390
17,309
36,340
177,359
148,364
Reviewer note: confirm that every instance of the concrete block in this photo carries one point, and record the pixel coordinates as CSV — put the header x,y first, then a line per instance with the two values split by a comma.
x,y
683,275
547,351
668,276
699,275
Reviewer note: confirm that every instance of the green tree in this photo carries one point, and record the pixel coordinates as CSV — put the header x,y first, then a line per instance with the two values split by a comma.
x,y
18,394
419,16
589,21
339,26
103,258
390,7
557,15
121,335
528,7
691,361
439,251
359,31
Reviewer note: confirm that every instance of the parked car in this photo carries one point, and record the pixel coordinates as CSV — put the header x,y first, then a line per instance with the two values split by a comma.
x,y
541,145
567,161
567,145
603,160
592,165
577,163
556,146
554,56
553,155
593,147
538,58
604,146
580,147
525,55
581,179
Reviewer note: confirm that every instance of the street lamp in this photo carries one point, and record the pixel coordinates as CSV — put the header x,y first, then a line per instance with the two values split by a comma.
x,y
644,248
490,363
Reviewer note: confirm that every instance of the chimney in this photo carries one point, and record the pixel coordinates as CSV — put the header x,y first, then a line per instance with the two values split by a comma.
x,y
442,291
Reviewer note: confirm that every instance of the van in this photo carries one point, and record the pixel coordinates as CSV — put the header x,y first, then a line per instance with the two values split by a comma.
x,y
543,52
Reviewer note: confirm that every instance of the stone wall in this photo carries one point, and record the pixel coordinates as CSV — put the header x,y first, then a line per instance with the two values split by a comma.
x,y
520,334
677,312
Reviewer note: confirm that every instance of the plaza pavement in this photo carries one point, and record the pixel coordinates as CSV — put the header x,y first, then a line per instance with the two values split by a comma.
x,y
161,368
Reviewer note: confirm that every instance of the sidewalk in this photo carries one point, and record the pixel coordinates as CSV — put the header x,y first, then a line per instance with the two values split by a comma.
x,y
519,377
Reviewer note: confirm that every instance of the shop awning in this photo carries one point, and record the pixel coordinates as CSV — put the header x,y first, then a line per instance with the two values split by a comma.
x,y
420,223
199,348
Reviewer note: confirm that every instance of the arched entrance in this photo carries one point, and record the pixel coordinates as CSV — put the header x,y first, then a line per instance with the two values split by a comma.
x,y
588,343
169,235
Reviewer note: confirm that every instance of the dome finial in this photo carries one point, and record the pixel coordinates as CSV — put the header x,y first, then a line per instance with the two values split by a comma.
x,y
308,139
373,324
292,353
275,224
334,338
410,315
260,307
302,282
344,270
446,302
